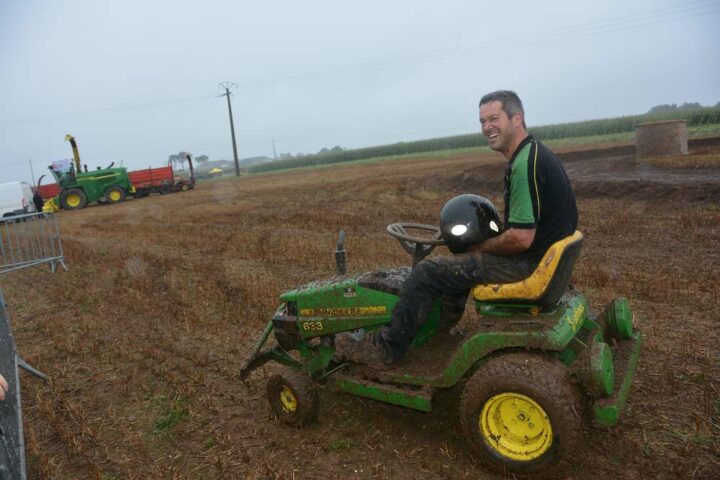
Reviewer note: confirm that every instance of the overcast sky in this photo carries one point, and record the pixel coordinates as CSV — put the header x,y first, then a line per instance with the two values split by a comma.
x,y
135,81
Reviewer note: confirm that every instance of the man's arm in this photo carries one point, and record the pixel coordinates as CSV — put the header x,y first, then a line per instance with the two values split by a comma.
x,y
4,387
510,242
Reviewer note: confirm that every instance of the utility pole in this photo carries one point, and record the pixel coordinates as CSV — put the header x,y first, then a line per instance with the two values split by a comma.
x,y
274,152
227,86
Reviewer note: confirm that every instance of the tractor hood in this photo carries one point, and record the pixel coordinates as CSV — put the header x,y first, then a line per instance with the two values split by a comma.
x,y
366,299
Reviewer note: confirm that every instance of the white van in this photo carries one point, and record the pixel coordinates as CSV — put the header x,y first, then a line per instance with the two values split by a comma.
x,y
16,198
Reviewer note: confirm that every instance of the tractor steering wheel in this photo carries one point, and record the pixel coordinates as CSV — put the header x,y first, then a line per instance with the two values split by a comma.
x,y
418,247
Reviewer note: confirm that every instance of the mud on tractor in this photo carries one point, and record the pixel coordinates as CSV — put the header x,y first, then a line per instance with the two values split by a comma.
x,y
534,367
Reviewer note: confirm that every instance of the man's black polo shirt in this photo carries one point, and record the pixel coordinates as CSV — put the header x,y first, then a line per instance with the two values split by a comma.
x,y
538,195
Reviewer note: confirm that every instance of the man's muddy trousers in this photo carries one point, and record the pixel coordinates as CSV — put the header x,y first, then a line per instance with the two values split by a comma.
x,y
444,277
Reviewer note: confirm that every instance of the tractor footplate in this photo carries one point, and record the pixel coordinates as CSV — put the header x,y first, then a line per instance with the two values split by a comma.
x,y
417,399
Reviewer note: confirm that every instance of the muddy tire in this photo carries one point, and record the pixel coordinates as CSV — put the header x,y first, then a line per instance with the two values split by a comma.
x,y
73,199
521,414
293,397
114,195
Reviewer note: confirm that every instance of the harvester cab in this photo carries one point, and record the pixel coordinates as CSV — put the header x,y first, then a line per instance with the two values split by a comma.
x,y
533,365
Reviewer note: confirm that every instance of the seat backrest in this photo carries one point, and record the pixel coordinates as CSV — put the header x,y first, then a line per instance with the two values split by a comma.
x,y
546,284
563,273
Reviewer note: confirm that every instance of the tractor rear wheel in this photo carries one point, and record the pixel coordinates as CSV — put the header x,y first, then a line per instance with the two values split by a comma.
x,y
73,199
115,195
293,397
521,414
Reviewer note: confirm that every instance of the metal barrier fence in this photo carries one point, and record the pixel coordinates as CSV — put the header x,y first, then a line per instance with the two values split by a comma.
x,y
28,240
25,241
12,441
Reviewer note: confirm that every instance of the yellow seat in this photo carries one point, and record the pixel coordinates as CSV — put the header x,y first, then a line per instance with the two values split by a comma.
x,y
546,284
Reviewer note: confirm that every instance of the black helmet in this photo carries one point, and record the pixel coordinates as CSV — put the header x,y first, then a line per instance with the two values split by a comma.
x,y
467,220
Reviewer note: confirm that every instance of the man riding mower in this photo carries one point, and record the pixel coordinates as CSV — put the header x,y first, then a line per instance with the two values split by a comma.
x,y
532,367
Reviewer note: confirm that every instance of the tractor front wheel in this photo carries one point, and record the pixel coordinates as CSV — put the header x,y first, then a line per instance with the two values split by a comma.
x,y
73,199
293,397
521,414
115,195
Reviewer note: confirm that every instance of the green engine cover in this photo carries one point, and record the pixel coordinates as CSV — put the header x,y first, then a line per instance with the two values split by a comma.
x,y
347,303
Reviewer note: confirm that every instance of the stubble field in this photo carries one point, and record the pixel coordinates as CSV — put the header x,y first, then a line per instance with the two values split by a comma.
x,y
143,336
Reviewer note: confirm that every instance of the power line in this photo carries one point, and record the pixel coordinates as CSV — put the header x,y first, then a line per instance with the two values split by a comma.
x,y
119,108
628,21
598,27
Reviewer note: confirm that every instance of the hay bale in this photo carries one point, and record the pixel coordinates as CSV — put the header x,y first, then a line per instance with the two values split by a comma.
x,y
661,138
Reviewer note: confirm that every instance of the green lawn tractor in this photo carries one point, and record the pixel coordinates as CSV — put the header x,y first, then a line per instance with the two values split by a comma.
x,y
533,368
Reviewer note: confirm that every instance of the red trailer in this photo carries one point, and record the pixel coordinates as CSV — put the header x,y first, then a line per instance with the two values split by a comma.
x,y
152,180
160,180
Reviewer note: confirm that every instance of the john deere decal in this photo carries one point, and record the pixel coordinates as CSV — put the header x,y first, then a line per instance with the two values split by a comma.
x,y
343,312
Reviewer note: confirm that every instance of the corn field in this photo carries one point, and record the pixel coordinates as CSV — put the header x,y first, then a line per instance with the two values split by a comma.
x,y
696,117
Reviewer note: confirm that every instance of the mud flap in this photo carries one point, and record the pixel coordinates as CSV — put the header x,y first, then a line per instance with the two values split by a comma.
x,y
12,443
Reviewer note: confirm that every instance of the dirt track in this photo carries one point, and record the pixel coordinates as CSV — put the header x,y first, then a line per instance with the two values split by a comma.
x,y
164,296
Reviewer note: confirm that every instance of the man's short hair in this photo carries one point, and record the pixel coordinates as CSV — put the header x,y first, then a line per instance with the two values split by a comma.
x,y
511,103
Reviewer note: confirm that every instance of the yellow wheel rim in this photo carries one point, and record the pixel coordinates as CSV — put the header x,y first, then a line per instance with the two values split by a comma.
x,y
516,427
73,200
114,195
288,400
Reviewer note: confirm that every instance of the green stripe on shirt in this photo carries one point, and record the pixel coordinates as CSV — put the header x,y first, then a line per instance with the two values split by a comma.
x,y
521,207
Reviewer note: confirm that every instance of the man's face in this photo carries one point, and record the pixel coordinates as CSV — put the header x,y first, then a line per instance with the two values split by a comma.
x,y
500,130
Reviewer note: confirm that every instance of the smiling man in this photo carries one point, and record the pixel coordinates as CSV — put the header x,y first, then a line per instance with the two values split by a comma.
x,y
540,209
540,204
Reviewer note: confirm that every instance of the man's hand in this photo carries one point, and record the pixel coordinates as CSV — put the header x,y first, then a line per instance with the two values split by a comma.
x,y
510,242
3,387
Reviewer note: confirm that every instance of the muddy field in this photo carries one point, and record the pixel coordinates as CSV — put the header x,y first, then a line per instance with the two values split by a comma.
x,y
143,336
